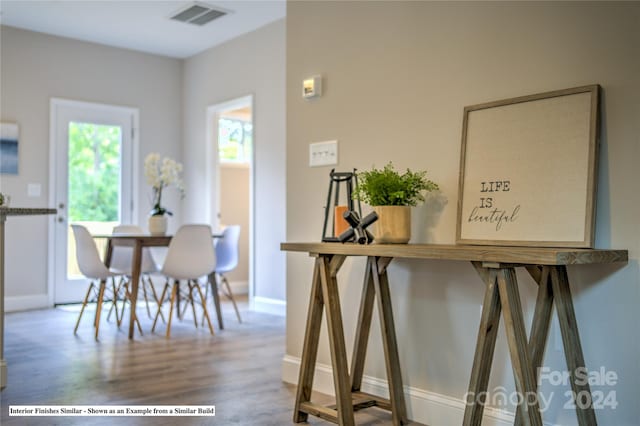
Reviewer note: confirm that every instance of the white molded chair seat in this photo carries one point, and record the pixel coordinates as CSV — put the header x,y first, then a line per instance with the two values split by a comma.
x,y
227,259
92,268
190,256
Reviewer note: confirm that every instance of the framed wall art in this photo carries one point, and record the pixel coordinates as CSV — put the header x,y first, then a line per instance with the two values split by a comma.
x,y
9,148
528,170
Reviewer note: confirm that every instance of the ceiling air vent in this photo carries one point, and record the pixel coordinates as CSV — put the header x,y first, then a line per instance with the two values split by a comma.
x,y
198,14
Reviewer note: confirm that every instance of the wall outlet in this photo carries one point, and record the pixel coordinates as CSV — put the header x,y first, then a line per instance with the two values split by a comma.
x,y
323,153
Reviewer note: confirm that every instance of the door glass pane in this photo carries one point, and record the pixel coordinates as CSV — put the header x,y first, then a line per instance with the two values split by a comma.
x,y
235,139
94,182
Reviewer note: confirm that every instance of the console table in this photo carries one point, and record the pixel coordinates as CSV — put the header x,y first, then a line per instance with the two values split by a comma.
x,y
4,212
496,267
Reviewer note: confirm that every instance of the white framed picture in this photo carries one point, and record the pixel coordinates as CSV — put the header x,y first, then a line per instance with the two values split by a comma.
x,y
528,170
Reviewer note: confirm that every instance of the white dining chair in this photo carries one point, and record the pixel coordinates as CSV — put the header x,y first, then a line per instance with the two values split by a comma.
x,y
190,256
92,268
121,259
227,253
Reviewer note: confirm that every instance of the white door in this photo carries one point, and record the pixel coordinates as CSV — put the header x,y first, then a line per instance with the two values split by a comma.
x,y
92,158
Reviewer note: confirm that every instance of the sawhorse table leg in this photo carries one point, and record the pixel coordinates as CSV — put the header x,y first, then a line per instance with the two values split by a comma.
x,y
527,358
349,398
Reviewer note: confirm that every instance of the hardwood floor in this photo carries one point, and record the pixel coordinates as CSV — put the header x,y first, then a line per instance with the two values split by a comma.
x,y
238,370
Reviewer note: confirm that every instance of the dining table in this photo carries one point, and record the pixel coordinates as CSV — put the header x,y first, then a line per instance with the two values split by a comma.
x,y
137,242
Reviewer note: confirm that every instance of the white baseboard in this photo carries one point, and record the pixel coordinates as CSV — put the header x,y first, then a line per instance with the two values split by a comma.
x,y
239,287
422,406
269,306
24,303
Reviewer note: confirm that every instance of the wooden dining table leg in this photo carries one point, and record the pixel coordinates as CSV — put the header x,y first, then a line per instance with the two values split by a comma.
x,y
518,346
572,345
213,284
485,346
135,279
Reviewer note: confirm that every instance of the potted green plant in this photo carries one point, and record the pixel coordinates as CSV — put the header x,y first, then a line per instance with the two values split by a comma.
x,y
392,194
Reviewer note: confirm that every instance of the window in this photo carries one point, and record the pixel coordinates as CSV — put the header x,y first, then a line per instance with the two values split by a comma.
x,y
235,139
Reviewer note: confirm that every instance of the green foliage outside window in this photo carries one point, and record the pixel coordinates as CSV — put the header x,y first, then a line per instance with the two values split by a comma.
x,y
235,138
94,172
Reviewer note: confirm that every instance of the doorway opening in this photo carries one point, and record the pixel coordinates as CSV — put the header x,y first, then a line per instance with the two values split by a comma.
x,y
91,182
231,148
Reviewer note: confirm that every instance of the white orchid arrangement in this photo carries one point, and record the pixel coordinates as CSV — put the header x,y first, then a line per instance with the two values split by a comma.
x,y
161,174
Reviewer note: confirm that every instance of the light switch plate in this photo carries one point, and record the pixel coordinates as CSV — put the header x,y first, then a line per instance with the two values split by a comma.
x,y
34,190
323,153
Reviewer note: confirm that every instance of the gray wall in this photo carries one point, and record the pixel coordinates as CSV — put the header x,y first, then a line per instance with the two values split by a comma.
x,y
36,67
251,64
396,78
172,96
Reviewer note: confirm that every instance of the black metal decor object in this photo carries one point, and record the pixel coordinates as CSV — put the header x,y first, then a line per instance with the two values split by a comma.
x,y
349,180
358,232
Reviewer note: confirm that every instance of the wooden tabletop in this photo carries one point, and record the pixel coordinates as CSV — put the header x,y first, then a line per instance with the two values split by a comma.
x,y
146,237
516,255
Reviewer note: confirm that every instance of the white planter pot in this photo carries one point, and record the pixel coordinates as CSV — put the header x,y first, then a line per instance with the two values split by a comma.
x,y
393,224
157,225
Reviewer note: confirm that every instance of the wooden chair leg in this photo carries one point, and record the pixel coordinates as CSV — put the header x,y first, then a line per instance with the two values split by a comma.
x,y
193,306
155,297
103,284
185,305
144,293
206,297
128,297
179,311
84,305
160,302
138,323
113,303
204,309
117,291
230,296
174,295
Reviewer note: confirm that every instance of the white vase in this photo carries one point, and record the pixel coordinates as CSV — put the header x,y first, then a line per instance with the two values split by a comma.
x,y
393,224
158,225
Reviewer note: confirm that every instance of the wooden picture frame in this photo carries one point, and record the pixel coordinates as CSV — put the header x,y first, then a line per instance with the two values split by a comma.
x,y
528,170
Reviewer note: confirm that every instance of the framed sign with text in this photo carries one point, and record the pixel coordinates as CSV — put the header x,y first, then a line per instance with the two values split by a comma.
x,y
528,170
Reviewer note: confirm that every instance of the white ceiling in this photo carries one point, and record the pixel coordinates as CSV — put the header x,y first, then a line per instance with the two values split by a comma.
x,y
142,25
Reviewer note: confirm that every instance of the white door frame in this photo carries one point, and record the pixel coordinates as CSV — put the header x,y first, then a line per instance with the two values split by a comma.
x,y
54,110
213,172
